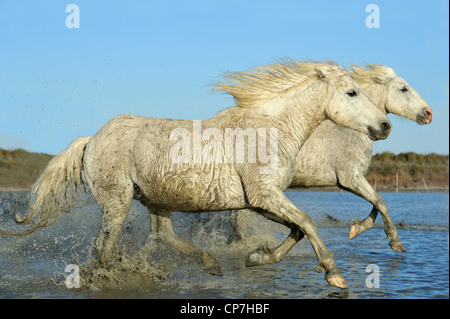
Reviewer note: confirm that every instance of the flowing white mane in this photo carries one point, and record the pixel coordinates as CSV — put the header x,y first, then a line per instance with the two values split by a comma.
x,y
371,72
250,89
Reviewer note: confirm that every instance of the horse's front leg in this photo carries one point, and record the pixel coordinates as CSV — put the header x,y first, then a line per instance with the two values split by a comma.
x,y
361,187
161,230
359,226
277,207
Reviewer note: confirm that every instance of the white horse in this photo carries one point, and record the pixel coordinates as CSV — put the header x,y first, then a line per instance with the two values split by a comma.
x,y
167,164
337,156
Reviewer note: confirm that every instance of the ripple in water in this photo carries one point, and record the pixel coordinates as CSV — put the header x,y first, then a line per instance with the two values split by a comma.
x,y
33,266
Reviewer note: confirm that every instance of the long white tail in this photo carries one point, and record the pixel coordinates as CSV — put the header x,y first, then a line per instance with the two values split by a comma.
x,y
56,190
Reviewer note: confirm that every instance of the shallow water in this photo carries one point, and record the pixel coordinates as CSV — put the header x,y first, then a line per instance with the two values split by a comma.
x,y
34,266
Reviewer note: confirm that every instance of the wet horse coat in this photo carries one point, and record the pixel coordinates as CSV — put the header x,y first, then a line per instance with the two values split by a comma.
x,y
338,156
132,157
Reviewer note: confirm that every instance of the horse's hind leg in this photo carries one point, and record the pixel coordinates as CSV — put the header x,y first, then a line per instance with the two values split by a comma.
x,y
236,223
265,255
162,231
115,204
261,256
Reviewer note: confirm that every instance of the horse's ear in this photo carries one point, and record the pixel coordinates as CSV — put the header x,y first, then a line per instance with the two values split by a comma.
x,y
380,79
328,71
322,73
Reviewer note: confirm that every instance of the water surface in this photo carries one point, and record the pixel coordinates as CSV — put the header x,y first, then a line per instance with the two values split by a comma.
x,y
33,266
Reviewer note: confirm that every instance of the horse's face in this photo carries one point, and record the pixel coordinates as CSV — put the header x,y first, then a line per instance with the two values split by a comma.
x,y
403,100
351,107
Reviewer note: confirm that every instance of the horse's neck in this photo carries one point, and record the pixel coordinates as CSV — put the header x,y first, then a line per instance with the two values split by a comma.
x,y
377,93
301,115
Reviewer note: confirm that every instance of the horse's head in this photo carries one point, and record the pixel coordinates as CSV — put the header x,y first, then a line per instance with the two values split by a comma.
x,y
316,83
351,107
403,100
395,95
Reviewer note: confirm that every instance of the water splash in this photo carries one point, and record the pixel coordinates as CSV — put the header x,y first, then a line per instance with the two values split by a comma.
x,y
34,265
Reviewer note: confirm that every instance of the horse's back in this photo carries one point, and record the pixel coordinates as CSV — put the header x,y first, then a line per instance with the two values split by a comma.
x,y
137,151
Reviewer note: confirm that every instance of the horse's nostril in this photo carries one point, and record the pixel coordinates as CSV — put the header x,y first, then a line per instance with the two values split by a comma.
x,y
429,114
385,127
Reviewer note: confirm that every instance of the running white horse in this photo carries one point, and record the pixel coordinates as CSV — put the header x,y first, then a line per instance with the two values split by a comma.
x,y
337,156
179,165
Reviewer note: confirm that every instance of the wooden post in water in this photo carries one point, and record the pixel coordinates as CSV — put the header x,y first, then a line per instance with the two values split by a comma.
x,y
425,184
396,182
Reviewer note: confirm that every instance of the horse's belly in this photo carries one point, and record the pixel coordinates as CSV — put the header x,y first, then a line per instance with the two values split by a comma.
x,y
195,189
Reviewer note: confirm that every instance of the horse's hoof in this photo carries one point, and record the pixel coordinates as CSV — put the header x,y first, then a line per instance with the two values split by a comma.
x,y
353,232
337,281
398,246
254,259
213,270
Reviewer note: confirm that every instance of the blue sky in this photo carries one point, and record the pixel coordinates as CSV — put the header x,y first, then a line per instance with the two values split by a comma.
x,y
157,58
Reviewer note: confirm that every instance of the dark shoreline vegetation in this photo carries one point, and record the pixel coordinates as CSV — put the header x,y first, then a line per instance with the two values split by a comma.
x,y
19,169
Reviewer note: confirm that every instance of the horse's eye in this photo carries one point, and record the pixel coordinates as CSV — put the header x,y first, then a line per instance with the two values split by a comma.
x,y
352,93
404,89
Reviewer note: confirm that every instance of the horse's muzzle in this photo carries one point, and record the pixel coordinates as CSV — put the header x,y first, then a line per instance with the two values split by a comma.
x,y
381,133
426,116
